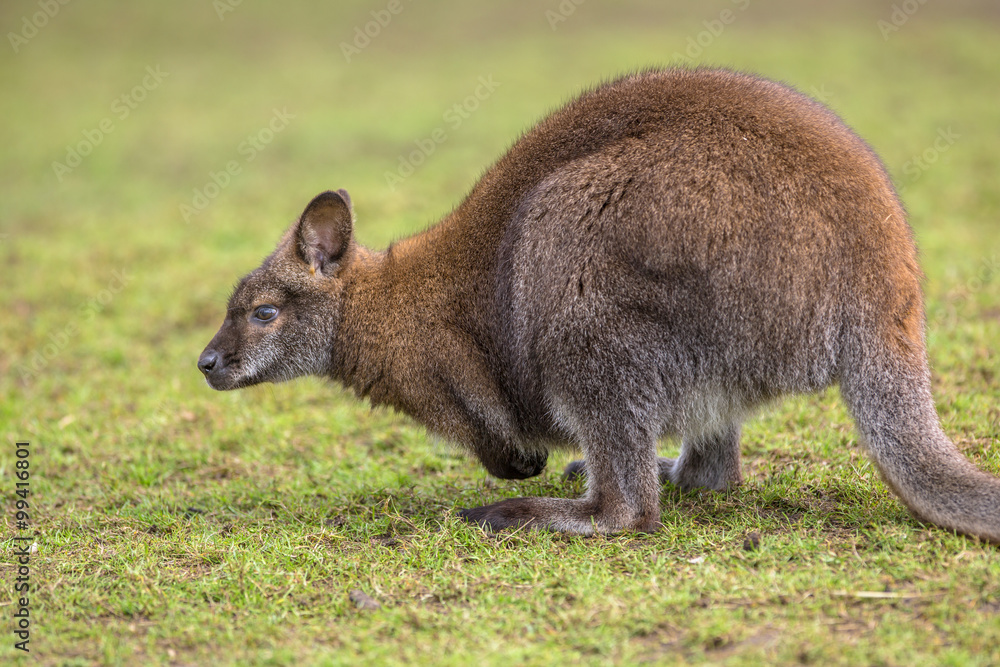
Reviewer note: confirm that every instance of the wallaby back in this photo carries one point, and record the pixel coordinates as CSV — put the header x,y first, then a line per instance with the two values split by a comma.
x,y
659,257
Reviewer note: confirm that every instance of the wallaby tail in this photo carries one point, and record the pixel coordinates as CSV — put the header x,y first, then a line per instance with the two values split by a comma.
x,y
888,392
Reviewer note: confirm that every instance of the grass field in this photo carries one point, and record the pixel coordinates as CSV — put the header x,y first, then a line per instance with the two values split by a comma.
x,y
154,152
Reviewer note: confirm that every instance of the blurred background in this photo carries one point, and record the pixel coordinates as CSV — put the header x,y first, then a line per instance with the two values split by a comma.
x,y
153,152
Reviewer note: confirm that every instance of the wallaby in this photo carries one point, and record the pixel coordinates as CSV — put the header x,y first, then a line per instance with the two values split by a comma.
x,y
659,257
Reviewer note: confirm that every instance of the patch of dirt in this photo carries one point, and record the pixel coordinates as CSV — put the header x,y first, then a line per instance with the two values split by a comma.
x,y
386,540
760,641
363,601
658,643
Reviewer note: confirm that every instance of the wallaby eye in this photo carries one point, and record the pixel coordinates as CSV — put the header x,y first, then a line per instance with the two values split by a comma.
x,y
265,313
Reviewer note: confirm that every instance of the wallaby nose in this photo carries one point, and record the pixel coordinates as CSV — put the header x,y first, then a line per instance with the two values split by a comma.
x,y
207,361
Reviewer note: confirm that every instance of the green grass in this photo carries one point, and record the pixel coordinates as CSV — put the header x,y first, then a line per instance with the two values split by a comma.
x,y
177,525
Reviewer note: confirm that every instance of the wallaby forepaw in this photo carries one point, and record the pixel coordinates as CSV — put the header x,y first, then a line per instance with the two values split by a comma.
x,y
521,465
532,463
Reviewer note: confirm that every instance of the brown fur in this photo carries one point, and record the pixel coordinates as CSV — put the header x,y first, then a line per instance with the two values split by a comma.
x,y
658,258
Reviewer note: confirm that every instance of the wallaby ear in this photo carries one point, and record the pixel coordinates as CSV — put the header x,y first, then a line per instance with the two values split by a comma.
x,y
325,230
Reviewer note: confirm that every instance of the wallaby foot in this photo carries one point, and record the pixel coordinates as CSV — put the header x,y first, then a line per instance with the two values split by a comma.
x,y
622,490
574,471
581,517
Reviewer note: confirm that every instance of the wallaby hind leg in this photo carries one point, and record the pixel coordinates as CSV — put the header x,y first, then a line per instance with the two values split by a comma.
x,y
706,461
709,461
578,469
623,492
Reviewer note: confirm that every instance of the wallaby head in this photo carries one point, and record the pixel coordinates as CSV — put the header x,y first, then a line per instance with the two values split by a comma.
x,y
282,318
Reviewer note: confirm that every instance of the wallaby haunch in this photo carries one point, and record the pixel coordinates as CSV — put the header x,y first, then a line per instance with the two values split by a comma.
x,y
658,258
